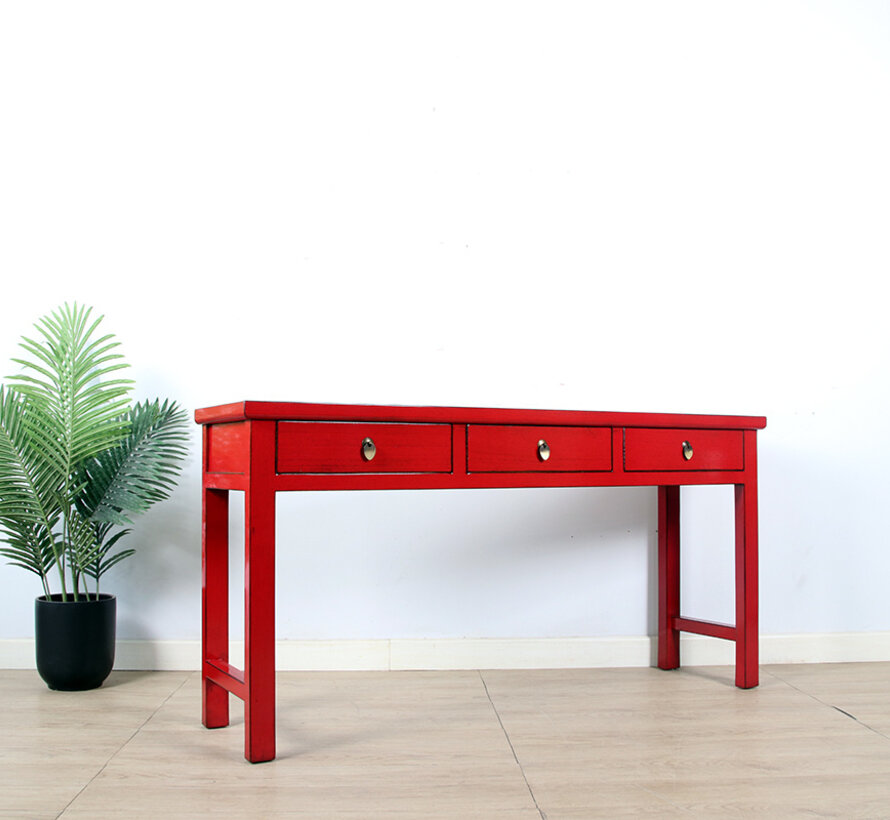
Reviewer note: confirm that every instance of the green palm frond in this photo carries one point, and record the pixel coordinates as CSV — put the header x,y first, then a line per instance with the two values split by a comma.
x,y
76,411
18,493
105,560
83,548
30,546
30,492
142,469
28,483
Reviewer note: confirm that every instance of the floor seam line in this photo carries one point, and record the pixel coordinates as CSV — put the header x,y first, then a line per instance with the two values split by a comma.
x,y
510,744
123,746
832,706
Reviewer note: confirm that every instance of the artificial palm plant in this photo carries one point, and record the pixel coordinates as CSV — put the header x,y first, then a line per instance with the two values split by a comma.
x,y
77,459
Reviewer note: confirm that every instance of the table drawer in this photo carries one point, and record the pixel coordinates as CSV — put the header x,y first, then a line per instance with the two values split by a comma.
x,y
359,447
521,448
659,449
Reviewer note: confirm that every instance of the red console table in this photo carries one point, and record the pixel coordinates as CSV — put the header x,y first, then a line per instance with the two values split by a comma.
x,y
266,447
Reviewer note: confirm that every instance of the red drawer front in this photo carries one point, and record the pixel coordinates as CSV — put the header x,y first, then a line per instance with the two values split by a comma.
x,y
658,449
336,447
514,449
228,447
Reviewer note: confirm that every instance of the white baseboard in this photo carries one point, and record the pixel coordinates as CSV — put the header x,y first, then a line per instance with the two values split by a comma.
x,y
487,653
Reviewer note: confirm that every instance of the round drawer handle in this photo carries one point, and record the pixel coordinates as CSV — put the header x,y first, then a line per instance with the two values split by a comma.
x,y
543,450
369,449
687,450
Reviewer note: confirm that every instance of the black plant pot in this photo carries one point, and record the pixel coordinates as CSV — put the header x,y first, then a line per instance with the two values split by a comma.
x,y
75,640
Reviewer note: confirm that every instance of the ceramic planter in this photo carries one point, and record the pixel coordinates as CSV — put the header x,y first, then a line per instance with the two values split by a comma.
x,y
75,640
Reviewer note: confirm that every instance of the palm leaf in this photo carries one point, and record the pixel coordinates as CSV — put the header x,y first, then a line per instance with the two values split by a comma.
x,y
104,561
142,469
30,546
83,548
30,492
77,411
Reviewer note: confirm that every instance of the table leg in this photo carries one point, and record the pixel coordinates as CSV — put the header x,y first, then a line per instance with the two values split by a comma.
x,y
746,646
215,603
259,625
668,576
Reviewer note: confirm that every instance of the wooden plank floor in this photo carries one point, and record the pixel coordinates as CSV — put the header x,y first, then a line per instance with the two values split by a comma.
x,y
811,741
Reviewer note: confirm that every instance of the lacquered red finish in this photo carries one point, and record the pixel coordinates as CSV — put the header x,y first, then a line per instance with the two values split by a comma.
x,y
501,448
336,447
259,595
746,594
215,632
668,576
266,447
662,449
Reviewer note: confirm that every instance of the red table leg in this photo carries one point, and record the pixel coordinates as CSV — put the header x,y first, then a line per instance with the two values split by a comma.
x,y
215,603
668,577
746,646
259,598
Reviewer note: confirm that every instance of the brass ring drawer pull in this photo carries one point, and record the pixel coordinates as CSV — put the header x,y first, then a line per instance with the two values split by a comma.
x,y
543,450
687,450
369,449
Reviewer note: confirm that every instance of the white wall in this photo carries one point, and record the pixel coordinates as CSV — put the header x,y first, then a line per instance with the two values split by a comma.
x,y
622,206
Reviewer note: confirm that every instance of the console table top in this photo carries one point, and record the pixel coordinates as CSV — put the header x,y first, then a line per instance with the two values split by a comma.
x,y
303,411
